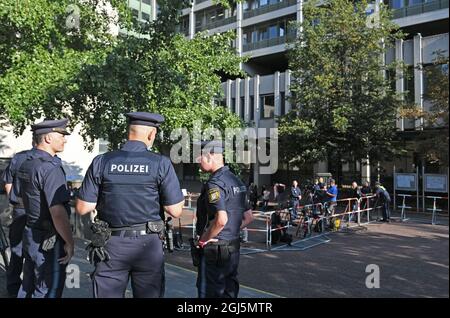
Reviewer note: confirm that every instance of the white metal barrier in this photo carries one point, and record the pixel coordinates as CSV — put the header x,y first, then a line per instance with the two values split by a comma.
x,y
404,206
434,209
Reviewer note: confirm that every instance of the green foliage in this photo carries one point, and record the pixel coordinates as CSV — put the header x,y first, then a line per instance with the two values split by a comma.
x,y
93,77
343,104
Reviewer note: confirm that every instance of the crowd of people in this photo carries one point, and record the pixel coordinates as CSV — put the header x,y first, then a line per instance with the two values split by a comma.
x,y
320,191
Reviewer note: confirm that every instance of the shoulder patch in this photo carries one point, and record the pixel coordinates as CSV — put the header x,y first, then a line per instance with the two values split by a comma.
x,y
213,195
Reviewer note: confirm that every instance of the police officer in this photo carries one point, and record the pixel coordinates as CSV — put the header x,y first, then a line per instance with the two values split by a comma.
x,y
12,188
128,188
385,199
296,196
222,211
47,240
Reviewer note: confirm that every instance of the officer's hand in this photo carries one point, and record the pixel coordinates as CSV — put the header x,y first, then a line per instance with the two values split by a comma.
x,y
69,249
201,243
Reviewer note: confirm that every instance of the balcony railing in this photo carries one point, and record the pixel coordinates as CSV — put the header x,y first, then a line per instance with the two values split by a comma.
x,y
269,8
215,24
267,43
200,1
420,8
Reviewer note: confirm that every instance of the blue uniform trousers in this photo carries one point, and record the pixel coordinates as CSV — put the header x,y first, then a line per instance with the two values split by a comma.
x,y
43,276
140,258
386,211
215,281
13,280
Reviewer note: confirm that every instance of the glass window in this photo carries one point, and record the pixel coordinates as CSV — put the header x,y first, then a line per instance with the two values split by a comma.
x,y
145,16
233,105
273,31
282,30
409,85
263,3
135,13
252,108
242,108
263,34
147,1
396,4
267,106
415,2
282,104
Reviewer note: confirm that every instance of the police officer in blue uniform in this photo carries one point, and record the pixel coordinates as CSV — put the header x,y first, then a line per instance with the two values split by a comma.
x,y
129,188
12,188
222,210
296,196
47,240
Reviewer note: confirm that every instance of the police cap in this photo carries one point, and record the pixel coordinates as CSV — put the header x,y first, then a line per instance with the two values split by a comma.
x,y
211,146
145,119
48,126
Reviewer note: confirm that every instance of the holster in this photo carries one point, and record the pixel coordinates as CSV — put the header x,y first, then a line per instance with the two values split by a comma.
x,y
48,239
156,227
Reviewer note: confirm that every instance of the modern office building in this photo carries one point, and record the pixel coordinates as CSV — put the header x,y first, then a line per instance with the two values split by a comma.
x,y
262,31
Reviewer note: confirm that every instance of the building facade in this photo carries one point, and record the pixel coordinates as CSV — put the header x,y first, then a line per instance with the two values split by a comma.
x,y
262,31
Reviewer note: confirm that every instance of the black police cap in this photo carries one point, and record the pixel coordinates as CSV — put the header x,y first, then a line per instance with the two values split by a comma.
x,y
145,119
211,146
48,126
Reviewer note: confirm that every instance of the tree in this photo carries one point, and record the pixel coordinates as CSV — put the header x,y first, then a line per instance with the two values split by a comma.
x,y
93,76
343,104
432,144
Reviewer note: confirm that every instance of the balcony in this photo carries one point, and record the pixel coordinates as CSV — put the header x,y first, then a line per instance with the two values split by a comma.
x,y
267,43
215,24
270,8
420,8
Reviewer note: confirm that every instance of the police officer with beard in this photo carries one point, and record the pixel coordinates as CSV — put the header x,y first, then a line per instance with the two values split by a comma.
x,y
222,210
47,239
129,188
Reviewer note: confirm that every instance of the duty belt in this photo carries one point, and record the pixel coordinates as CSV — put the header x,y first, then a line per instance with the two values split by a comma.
x,y
231,243
133,230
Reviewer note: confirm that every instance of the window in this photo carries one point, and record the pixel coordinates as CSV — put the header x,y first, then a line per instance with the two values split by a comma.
x,y
145,16
221,102
242,108
273,31
415,2
135,13
267,106
147,2
396,4
282,103
233,105
252,108
409,85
